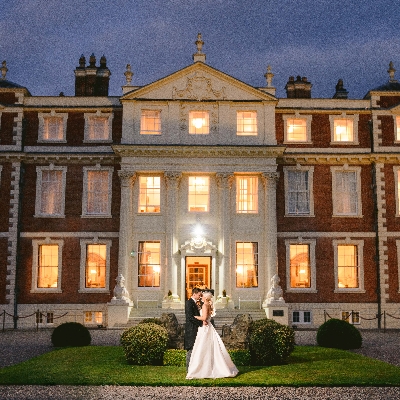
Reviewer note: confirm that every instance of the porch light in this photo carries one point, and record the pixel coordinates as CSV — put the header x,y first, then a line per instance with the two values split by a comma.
x,y
198,231
133,253
198,122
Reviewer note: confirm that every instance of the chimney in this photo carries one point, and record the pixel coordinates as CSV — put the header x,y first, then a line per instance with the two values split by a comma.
x,y
341,92
299,88
92,80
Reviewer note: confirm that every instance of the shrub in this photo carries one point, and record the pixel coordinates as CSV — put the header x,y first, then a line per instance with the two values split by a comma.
x,y
175,358
145,344
339,334
71,334
240,357
270,342
151,320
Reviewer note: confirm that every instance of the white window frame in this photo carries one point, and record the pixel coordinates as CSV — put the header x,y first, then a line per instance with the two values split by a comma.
x,y
93,318
243,132
257,266
396,171
307,118
139,205
335,196
82,278
354,118
350,317
192,129
255,201
85,213
301,317
36,243
89,117
142,115
138,275
195,194
396,119
313,268
310,171
360,254
42,116
38,200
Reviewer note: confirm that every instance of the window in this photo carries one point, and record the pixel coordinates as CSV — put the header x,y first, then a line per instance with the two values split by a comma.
x,y
247,194
149,264
93,317
301,317
199,122
50,191
149,196
46,265
352,317
346,191
96,200
52,127
344,128
348,265
297,128
95,265
246,123
298,189
246,264
396,171
98,126
199,193
150,122
397,128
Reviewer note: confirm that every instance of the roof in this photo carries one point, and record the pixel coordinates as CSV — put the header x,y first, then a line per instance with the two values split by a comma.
x,y
5,84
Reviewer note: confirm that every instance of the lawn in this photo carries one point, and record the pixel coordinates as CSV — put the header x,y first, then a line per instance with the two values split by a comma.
x,y
106,365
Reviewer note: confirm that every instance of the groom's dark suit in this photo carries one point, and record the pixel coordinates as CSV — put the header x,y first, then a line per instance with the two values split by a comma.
x,y
192,324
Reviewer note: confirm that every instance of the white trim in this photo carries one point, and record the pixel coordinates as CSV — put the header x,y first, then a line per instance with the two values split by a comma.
x,y
360,254
90,117
396,170
336,199
313,269
35,266
68,149
84,243
353,118
38,199
253,133
68,234
301,315
307,118
330,234
396,128
42,116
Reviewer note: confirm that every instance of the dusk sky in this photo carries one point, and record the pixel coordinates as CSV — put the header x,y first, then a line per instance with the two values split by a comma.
x,y
42,40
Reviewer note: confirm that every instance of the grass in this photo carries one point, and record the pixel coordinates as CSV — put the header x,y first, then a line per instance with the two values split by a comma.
x,y
106,365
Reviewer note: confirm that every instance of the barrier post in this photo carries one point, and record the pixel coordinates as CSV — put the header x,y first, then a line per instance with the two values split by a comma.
x,y
4,319
384,321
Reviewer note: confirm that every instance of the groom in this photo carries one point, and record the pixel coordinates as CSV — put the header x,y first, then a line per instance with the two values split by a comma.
x,y
192,324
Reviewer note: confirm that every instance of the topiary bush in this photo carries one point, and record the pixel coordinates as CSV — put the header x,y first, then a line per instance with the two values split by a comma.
x,y
71,334
240,357
156,321
175,358
270,342
339,334
145,344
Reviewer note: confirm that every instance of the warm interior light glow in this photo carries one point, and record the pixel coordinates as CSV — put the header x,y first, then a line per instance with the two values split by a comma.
x,y
198,122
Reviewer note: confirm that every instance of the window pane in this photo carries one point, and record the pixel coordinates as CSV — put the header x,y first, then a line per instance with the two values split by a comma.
x,y
246,264
96,256
150,122
199,122
296,130
51,192
246,123
347,266
53,128
397,128
300,273
149,264
247,194
296,316
149,197
97,192
98,128
198,193
346,193
298,192
48,266
307,317
343,130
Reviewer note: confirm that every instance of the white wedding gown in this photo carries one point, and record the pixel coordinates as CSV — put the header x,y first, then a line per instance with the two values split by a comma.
x,y
210,358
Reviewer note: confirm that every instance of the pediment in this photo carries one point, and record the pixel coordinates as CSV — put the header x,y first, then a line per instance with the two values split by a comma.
x,y
395,109
199,82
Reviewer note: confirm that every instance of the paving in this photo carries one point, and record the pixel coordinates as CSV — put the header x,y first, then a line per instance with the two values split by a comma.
x,y
19,345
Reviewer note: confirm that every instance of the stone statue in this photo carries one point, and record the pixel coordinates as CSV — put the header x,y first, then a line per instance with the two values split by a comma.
x,y
275,293
120,291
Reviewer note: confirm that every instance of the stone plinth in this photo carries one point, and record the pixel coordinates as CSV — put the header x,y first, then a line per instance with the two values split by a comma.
x,y
118,311
277,310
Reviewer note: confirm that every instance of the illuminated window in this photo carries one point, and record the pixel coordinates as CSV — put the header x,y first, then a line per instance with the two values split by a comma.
x,y
300,271
344,128
94,317
397,128
346,192
246,123
149,196
352,317
97,192
98,126
150,122
50,191
348,270
149,264
296,130
52,126
96,256
47,275
246,264
298,191
199,193
247,194
199,123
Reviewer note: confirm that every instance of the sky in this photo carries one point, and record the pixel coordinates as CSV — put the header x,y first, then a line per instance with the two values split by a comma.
x,y
353,40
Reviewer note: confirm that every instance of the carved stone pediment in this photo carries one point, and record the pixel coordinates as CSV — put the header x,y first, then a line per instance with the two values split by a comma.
x,y
198,245
198,88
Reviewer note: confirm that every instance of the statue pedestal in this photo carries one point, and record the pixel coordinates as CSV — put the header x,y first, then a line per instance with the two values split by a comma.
x,y
224,303
173,304
277,310
118,311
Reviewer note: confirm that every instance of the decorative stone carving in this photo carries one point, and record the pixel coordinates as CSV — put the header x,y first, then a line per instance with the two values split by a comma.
x,y
120,291
237,335
128,75
270,178
198,244
172,178
127,177
275,293
225,179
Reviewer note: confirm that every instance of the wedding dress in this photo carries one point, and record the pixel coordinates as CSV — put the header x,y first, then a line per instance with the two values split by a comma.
x,y
210,358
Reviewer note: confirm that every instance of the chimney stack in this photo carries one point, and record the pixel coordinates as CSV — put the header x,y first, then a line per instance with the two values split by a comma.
x,y
299,88
341,92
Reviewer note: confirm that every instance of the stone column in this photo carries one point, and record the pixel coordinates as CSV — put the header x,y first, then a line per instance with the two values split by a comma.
x,y
172,180
224,181
270,180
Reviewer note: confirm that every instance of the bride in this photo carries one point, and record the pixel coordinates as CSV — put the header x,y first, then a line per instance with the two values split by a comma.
x,y
209,358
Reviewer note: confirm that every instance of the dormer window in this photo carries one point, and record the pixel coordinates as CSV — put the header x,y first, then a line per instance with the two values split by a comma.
x,y
199,123
150,122
246,123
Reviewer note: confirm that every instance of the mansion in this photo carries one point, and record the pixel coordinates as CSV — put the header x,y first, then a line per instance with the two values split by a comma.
x,y
111,204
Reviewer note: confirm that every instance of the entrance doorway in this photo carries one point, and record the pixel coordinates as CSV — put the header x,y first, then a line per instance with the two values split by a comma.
x,y
198,273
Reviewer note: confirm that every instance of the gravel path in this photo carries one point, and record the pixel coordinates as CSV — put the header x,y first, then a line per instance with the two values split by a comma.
x,y
17,346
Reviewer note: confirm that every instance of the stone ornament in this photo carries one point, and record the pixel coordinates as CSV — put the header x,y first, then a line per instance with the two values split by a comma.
x,y
275,293
120,291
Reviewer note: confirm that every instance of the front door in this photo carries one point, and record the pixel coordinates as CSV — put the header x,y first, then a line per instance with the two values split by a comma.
x,y
198,273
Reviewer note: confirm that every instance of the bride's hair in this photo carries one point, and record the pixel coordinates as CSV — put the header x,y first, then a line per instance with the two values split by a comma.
x,y
209,296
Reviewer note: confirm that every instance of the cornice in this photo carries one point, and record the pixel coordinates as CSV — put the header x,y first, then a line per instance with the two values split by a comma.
x,y
56,158
340,159
199,151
